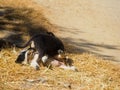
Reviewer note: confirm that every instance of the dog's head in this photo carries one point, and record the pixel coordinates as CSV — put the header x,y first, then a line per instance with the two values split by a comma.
x,y
25,56
62,57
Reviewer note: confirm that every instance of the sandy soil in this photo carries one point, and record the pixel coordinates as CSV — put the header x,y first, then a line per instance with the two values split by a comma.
x,y
89,25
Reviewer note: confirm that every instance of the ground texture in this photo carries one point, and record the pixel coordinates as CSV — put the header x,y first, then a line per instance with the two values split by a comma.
x,y
89,25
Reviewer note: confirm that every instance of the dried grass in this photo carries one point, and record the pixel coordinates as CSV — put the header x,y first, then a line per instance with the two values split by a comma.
x,y
93,73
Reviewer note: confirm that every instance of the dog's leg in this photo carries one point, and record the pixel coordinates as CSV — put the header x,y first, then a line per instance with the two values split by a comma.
x,y
34,62
44,58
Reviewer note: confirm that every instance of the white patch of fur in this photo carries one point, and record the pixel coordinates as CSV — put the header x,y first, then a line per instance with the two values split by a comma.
x,y
34,63
73,68
32,44
60,51
59,56
23,50
44,58
67,57
56,63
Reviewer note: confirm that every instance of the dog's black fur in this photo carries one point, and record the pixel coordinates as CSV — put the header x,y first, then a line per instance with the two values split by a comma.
x,y
45,44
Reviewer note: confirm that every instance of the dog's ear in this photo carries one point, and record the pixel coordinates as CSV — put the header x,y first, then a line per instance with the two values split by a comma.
x,y
51,34
20,57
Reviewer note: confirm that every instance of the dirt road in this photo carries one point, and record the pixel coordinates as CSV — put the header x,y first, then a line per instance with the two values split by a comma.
x,y
89,25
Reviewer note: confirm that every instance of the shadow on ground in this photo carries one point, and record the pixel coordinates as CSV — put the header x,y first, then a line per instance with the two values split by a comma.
x,y
80,45
16,24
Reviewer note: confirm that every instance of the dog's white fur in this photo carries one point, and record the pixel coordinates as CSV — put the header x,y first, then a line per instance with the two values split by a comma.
x,y
45,58
32,44
35,65
68,67
34,62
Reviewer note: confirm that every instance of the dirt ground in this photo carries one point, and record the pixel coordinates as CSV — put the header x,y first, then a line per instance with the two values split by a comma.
x,y
89,25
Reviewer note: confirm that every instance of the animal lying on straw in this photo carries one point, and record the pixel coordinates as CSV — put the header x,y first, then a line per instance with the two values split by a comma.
x,y
43,47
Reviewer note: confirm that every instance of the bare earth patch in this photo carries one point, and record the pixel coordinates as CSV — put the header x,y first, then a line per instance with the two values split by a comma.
x,y
89,25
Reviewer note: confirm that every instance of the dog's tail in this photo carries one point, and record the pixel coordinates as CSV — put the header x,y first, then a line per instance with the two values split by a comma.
x,y
25,45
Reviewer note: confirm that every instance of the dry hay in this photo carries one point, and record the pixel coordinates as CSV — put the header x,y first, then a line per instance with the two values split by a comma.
x,y
93,73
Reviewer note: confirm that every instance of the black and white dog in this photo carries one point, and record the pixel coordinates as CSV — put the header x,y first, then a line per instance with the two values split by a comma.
x,y
30,56
42,48
46,45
